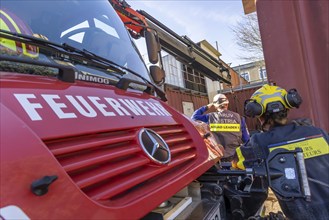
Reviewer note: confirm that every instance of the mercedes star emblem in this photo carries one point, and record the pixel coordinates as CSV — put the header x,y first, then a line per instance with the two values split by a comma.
x,y
154,146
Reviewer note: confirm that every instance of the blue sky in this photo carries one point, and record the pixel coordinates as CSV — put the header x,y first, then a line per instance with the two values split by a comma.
x,y
199,20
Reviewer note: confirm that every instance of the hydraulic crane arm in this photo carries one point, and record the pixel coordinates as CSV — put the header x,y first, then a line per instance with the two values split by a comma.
x,y
134,21
181,47
186,51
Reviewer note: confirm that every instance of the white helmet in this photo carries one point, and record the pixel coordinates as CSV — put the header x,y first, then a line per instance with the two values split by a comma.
x,y
220,99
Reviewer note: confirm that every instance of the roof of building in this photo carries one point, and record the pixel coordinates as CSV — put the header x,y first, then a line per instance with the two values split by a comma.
x,y
247,65
210,47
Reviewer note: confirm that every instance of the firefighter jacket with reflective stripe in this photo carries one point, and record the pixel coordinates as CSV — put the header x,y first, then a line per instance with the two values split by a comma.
x,y
314,142
226,126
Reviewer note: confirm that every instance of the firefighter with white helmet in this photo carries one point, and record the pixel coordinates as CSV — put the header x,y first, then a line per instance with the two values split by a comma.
x,y
271,105
228,127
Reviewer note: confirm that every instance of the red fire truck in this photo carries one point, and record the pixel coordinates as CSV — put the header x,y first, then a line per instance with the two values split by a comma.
x,y
86,132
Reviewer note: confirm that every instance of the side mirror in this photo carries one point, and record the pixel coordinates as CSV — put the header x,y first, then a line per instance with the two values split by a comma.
x,y
153,46
157,74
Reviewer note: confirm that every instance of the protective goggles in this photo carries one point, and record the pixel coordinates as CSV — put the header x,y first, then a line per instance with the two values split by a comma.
x,y
221,101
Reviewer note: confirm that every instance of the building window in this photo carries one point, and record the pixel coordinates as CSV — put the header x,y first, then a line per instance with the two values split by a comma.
x,y
246,76
194,80
262,73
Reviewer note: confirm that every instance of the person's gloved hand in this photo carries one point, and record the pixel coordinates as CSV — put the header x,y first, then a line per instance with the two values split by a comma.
x,y
245,156
238,159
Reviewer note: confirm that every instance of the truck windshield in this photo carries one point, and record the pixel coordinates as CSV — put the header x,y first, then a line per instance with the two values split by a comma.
x,y
84,24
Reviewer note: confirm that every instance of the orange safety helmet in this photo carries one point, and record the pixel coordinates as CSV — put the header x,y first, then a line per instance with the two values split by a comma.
x,y
10,22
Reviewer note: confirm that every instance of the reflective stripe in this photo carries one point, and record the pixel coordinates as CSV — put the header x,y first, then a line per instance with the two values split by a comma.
x,y
225,127
8,24
11,21
3,41
241,159
312,147
12,28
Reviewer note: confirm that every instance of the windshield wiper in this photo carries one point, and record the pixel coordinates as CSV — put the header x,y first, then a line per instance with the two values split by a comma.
x,y
80,55
123,82
64,50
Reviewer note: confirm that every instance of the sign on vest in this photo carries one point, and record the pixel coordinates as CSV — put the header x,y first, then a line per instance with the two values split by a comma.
x,y
313,146
225,127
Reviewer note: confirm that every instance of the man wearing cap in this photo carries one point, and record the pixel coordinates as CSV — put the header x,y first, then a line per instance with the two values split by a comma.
x,y
228,127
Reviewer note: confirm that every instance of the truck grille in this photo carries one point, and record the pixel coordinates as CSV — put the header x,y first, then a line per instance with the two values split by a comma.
x,y
111,168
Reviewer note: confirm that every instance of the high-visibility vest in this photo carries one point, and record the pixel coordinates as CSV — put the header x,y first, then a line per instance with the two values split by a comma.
x,y
226,126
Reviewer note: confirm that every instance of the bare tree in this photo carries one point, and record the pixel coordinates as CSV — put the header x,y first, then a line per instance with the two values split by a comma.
x,y
248,38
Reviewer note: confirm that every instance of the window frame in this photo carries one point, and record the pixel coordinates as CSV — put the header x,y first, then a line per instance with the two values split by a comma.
x,y
194,80
261,73
242,75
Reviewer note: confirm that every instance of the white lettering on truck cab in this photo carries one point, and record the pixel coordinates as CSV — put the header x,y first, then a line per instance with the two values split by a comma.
x,y
69,106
